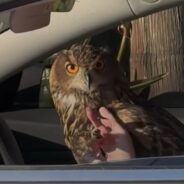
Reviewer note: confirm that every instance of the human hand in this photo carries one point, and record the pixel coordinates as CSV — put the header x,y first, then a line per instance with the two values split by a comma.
x,y
115,141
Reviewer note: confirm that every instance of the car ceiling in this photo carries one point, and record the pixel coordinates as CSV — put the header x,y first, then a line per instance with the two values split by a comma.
x,y
88,17
19,50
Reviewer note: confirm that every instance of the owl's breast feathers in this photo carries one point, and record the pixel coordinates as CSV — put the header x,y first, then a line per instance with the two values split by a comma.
x,y
154,133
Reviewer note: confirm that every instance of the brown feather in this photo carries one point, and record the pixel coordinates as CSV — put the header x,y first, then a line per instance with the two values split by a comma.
x,y
154,131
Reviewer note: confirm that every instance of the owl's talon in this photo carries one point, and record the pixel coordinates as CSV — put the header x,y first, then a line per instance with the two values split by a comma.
x,y
96,134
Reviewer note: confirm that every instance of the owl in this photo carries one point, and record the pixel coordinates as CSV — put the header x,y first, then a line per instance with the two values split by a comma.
x,y
87,76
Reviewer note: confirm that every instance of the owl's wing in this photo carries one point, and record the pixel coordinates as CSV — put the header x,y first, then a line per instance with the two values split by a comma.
x,y
154,132
160,115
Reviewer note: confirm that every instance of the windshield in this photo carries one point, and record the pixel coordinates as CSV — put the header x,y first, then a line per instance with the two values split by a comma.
x,y
88,91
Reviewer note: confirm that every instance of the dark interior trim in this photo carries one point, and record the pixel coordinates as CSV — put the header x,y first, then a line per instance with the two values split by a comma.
x,y
10,4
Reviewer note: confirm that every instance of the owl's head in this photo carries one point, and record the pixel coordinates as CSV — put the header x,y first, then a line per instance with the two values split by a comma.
x,y
84,68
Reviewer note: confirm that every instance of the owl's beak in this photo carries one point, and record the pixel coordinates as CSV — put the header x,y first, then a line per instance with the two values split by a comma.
x,y
88,80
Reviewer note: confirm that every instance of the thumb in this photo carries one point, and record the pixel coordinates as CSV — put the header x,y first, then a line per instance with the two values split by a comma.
x,y
104,112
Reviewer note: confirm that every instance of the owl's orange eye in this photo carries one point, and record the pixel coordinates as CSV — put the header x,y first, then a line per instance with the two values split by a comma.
x,y
72,68
99,65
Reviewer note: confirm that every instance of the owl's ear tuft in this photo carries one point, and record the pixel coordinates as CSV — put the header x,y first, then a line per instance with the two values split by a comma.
x,y
74,46
65,52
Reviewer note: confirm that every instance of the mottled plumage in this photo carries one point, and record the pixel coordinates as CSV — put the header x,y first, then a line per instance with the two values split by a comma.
x,y
86,76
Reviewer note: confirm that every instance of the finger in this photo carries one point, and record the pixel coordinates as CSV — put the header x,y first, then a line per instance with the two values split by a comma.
x,y
108,124
95,121
92,117
106,114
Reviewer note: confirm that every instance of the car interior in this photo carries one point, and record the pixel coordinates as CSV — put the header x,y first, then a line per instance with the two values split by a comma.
x,y
32,148
31,134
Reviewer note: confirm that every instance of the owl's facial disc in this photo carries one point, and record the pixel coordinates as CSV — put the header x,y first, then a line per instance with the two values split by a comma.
x,y
89,77
90,80
81,80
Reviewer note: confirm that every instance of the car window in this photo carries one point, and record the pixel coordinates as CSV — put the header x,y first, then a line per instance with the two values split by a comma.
x,y
147,52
